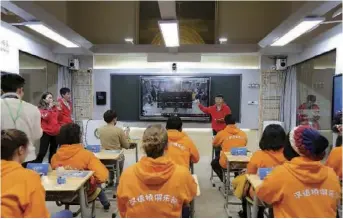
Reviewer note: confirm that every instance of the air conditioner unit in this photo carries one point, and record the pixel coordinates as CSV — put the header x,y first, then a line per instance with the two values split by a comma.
x,y
74,64
281,64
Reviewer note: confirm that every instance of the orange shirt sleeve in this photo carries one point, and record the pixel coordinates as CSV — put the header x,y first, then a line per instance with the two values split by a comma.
x,y
100,171
195,157
270,191
36,207
121,198
252,166
335,161
190,188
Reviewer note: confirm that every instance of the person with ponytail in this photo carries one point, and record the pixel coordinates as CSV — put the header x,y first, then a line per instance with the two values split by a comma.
x,y
155,187
22,193
302,187
50,125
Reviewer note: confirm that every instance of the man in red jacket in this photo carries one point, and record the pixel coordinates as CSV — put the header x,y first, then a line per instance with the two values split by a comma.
x,y
66,106
217,112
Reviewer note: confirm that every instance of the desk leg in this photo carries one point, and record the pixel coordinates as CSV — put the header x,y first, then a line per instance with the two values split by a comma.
x,y
211,178
136,153
227,188
117,171
191,209
255,207
248,207
85,212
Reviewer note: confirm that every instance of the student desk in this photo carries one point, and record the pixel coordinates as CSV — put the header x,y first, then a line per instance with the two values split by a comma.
x,y
255,182
134,144
74,187
234,162
192,209
109,158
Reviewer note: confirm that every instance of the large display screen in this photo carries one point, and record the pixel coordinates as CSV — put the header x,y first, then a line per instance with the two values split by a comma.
x,y
337,94
162,96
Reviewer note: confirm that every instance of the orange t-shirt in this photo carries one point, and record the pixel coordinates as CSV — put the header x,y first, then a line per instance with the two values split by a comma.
x,y
181,148
301,188
335,161
265,159
77,157
229,138
22,193
155,188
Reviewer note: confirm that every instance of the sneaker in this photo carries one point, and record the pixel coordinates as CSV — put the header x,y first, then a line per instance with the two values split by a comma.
x,y
107,207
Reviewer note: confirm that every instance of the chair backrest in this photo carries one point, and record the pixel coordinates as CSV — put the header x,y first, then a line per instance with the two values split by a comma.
x,y
191,167
94,148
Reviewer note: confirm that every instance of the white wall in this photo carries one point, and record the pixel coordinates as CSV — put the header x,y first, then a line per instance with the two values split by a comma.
x,y
249,113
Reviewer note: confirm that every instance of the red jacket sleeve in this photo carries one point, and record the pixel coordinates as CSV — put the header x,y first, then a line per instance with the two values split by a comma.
x,y
205,109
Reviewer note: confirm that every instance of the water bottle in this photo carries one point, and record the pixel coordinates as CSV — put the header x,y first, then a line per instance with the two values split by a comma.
x,y
127,132
61,179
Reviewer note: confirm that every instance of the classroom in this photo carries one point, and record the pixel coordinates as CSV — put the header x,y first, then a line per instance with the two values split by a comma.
x,y
152,109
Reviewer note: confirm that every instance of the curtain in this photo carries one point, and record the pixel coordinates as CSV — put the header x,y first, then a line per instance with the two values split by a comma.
x,y
288,108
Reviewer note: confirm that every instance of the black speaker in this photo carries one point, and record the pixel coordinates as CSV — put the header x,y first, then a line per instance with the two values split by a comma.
x,y
100,98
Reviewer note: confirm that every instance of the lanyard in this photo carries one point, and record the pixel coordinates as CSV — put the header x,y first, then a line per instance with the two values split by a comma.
x,y
14,119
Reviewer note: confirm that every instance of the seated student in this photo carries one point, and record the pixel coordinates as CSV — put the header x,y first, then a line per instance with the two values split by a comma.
x,y
227,139
155,186
302,187
181,148
73,155
113,138
270,156
22,193
335,158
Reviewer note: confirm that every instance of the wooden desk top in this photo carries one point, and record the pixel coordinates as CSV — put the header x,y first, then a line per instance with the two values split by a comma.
x,y
254,180
197,182
49,182
108,154
239,158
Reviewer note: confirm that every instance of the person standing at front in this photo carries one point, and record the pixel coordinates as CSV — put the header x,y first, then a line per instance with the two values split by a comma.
x,y
18,114
51,128
65,116
218,111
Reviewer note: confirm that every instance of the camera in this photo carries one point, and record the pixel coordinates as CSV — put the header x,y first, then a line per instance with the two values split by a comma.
x,y
174,67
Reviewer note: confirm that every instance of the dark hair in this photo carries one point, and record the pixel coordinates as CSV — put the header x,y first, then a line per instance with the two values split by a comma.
x,y
174,122
69,134
64,90
320,144
11,82
311,98
273,138
220,96
42,104
11,140
155,140
229,119
110,115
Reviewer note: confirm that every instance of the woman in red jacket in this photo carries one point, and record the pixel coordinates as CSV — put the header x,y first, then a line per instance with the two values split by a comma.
x,y
50,125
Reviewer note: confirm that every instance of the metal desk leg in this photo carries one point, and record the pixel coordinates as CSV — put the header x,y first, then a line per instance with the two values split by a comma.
x,y
255,207
117,171
136,153
191,209
211,161
227,188
248,207
85,212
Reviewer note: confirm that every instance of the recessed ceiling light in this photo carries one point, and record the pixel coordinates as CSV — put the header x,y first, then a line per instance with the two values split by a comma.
x,y
304,26
170,32
47,32
129,40
222,40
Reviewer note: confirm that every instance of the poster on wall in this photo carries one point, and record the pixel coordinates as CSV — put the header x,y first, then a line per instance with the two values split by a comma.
x,y
9,55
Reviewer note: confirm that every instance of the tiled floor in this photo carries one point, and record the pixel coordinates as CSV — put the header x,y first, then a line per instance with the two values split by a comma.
x,y
210,204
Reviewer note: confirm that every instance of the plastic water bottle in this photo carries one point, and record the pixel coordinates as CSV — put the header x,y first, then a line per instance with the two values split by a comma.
x,y
61,179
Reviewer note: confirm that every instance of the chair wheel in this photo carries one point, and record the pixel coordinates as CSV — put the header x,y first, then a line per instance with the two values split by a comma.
x,y
213,185
114,196
114,215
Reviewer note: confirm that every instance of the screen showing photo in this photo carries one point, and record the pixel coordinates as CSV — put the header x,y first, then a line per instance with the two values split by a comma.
x,y
162,96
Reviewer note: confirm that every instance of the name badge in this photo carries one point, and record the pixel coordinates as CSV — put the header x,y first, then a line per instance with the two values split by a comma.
x,y
40,168
263,172
239,151
94,148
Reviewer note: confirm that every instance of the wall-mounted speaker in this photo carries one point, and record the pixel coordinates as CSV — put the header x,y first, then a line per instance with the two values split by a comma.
x,y
100,98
